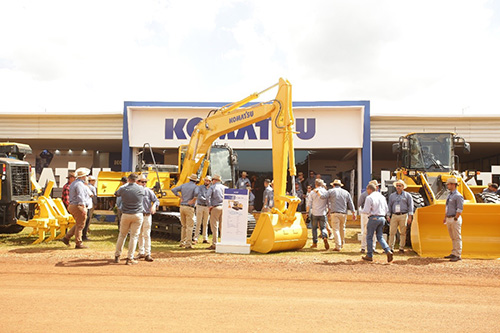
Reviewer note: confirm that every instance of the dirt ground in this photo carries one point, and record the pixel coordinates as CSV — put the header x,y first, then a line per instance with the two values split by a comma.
x,y
60,289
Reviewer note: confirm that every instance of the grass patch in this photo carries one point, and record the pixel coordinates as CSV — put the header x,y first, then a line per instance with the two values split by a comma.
x,y
103,236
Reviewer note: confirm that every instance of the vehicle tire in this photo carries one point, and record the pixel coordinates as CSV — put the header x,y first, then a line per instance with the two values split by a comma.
x,y
418,202
488,197
8,219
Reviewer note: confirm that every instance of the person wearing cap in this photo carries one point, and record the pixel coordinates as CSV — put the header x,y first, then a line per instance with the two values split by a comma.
x,y
132,216
78,200
319,204
376,208
453,218
150,204
400,214
215,197
339,201
492,188
189,192
243,182
268,197
364,218
202,211
123,181
65,190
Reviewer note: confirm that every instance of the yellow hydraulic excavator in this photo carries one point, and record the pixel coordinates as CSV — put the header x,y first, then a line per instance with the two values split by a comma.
x,y
427,161
281,229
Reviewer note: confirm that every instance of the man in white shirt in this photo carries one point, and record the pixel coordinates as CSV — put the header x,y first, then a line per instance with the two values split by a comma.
x,y
377,210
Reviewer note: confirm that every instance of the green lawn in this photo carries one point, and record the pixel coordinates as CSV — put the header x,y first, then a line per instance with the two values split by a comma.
x,y
103,237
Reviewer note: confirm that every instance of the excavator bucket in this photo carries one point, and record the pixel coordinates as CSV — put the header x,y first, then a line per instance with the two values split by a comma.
x,y
272,235
480,231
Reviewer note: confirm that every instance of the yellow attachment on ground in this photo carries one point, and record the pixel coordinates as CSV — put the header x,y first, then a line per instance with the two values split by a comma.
x,y
480,231
273,234
50,217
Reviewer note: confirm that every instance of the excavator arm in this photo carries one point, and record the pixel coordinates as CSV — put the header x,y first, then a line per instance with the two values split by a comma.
x,y
282,228
233,117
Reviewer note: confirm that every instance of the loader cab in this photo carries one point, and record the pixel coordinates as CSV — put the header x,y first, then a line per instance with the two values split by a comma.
x,y
430,152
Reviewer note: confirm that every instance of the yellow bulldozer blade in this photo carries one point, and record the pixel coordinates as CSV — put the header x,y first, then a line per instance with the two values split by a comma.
x,y
272,235
480,231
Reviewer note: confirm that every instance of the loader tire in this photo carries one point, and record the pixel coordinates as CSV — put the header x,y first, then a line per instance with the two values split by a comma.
x,y
418,202
490,197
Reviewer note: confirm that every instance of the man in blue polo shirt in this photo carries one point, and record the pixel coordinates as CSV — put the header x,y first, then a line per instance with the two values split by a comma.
x,y
453,219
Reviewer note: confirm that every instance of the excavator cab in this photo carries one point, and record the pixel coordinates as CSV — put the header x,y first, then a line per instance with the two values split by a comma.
x,y
427,161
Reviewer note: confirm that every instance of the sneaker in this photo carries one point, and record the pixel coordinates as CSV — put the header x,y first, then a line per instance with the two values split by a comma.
x,y
131,262
362,251
211,247
455,259
366,258
389,256
149,258
450,256
81,246
327,246
65,241
117,259
141,256
314,246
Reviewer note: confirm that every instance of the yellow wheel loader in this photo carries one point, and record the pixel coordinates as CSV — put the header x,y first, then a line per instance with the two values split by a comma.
x,y
281,229
425,162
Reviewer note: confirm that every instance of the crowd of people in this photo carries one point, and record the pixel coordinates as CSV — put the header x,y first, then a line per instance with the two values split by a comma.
x,y
327,211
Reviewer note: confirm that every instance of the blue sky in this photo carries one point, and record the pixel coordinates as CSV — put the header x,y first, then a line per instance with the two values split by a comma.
x,y
406,57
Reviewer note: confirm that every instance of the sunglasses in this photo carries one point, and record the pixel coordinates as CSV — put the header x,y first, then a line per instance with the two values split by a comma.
x,y
143,181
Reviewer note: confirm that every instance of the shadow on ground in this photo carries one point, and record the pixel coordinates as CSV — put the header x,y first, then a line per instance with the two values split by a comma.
x,y
85,263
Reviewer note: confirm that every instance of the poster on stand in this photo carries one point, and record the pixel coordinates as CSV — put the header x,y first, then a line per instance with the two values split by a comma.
x,y
234,222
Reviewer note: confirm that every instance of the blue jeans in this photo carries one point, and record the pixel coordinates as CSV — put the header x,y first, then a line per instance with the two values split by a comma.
x,y
375,224
322,225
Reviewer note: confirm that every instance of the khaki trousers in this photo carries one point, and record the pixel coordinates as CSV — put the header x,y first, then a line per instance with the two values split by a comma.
x,y
202,216
215,223
129,223
338,222
455,231
364,223
401,222
187,225
145,236
79,212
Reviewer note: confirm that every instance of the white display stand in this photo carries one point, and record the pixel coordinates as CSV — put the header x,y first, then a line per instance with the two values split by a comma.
x,y
234,222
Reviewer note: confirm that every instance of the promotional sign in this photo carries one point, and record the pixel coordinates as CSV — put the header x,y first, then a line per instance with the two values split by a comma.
x,y
318,127
234,222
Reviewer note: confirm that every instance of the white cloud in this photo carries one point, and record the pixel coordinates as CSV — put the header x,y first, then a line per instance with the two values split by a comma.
x,y
404,56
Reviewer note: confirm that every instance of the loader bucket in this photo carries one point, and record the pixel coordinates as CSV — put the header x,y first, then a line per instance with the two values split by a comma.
x,y
272,235
108,182
480,231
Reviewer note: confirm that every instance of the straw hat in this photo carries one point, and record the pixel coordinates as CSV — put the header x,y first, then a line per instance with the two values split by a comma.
x,y
215,177
71,174
193,177
452,180
91,178
336,182
207,177
81,172
374,182
400,181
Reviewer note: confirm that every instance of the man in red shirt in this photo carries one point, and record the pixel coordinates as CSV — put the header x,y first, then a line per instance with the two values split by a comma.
x,y
65,191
